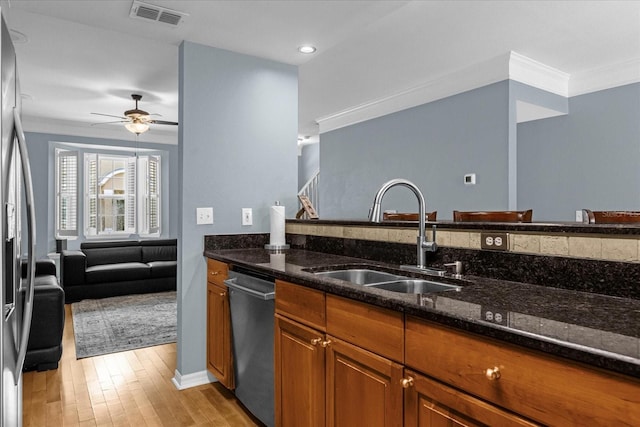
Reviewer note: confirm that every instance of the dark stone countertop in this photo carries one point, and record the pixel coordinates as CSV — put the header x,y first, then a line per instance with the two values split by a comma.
x,y
602,331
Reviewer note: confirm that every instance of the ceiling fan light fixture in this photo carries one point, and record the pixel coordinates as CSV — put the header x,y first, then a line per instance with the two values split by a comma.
x,y
137,127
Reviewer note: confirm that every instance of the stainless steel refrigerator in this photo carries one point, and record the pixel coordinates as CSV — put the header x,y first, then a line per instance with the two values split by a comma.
x,y
17,247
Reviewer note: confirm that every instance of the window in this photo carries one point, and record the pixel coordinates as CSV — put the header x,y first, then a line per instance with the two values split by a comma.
x,y
121,194
66,193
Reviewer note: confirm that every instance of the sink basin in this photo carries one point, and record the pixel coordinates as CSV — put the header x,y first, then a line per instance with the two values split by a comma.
x,y
360,276
414,286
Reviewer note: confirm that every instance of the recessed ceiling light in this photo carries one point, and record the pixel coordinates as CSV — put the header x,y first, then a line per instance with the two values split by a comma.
x,y
306,49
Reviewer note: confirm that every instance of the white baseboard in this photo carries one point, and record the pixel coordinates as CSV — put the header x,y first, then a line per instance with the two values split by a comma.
x,y
191,380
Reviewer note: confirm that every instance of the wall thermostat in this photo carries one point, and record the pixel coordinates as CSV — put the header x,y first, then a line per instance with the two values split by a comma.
x,y
470,179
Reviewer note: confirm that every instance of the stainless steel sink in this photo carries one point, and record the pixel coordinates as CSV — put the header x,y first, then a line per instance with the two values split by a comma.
x,y
414,286
360,276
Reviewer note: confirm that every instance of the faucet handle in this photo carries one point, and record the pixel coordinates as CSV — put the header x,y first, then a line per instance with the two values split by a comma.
x,y
457,267
430,246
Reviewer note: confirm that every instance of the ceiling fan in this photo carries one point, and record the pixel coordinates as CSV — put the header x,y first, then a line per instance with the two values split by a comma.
x,y
136,121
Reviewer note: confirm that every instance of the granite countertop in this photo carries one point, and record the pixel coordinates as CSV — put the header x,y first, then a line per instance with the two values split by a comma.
x,y
598,330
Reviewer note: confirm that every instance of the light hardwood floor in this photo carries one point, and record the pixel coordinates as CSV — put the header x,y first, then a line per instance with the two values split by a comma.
x,y
131,388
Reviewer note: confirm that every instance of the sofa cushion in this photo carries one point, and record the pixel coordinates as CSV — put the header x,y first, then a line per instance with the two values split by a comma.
x,y
163,268
159,253
112,255
117,272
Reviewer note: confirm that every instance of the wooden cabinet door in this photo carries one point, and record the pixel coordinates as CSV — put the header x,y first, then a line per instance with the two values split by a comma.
x,y
300,380
219,351
363,389
429,403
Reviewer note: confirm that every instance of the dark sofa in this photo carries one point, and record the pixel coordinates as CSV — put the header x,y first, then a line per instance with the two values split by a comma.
x,y
44,348
107,269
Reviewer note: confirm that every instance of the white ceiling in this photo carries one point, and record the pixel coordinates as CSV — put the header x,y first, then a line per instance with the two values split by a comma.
x,y
90,56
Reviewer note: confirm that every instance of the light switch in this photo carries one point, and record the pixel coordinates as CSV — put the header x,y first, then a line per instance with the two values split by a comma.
x,y
204,216
247,216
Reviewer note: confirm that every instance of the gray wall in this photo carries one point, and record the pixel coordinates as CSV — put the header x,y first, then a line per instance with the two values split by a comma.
x,y
237,148
587,159
308,163
434,145
41,157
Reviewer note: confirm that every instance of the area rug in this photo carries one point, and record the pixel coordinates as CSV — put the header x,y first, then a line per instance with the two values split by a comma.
x,y
111,325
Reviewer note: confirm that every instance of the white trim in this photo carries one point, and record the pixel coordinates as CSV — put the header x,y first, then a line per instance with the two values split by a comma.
x,y
182,382
537,74
606,77
468,78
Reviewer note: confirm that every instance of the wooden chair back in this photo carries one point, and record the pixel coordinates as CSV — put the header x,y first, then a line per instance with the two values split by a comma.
x,y
610,217
406,216
493,216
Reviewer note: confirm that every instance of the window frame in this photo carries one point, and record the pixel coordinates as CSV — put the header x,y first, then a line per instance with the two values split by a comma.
x,y
141,196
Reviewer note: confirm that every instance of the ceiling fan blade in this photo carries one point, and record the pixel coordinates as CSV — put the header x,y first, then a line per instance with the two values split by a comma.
x,y
104,123
163,122
110,115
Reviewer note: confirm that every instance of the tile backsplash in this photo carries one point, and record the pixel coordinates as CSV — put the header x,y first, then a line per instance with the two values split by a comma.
x,y
596,246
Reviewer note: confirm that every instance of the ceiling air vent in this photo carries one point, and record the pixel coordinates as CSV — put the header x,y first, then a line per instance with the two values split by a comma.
x,y
150,12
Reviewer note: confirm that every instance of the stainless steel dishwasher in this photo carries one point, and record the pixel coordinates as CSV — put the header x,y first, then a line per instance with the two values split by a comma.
x,y
252,309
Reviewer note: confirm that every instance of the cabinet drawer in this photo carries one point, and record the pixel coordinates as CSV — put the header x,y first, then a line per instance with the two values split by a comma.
x,y
217,271
544,388
304,305
373,328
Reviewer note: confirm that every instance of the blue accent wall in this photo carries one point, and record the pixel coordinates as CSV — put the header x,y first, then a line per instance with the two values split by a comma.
x,y
433,145
589,158
42,159
237,149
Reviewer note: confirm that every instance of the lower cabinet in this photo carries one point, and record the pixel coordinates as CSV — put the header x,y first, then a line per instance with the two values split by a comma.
x,y
429,403
219,349
322,380
300,375
347,363
363,389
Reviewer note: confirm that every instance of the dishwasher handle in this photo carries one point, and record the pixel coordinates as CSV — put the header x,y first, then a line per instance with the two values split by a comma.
x,y
232,284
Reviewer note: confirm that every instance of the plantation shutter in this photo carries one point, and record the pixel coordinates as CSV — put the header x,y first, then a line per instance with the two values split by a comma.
x,y
153,194
66,193
130,195
91,194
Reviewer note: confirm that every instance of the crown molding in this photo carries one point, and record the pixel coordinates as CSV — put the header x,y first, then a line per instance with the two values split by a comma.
x,y
509,66
468,78
533,73
614,75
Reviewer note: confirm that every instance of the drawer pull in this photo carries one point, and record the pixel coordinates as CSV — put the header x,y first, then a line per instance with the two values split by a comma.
x,y
222,294
406,382
325,343
493,373
316,341
215,273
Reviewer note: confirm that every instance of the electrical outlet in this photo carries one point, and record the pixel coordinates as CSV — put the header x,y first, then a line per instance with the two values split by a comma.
x,y
247,216
493,315
494,241
204,216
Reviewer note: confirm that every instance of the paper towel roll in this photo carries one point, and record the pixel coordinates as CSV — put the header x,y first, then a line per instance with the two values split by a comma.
x,y
277,226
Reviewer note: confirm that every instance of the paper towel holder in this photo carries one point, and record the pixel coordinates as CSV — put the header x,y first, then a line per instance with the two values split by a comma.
x,y
276,248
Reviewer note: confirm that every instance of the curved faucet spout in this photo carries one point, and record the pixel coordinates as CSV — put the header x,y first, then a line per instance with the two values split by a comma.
x,y
375,215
